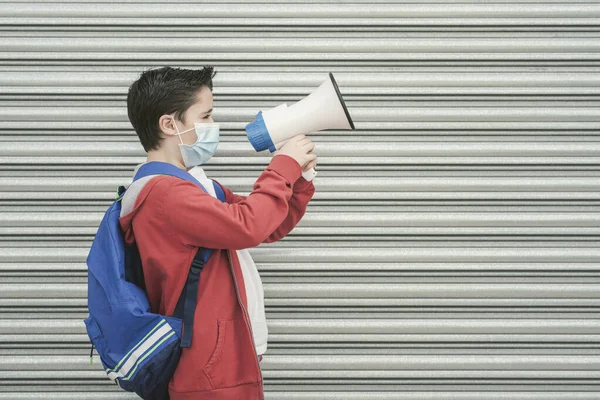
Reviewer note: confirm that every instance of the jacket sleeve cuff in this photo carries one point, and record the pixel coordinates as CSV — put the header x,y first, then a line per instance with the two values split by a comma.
x,y
302,184
287,167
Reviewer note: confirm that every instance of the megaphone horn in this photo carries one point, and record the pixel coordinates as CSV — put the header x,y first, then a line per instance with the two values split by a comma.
x,y
323,109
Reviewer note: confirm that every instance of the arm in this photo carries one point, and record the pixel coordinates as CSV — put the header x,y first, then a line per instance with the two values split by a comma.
x,y
200,220
303,192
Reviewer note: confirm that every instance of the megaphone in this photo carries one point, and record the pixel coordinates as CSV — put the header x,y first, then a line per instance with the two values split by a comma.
x,y
322,109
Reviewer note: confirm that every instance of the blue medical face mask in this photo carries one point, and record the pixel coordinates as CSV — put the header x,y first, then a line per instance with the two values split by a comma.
x,y
204,147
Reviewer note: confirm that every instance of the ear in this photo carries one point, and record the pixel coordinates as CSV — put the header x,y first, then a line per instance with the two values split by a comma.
x,y
166,125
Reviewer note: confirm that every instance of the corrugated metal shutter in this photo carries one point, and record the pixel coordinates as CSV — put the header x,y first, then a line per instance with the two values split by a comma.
x,y
451,250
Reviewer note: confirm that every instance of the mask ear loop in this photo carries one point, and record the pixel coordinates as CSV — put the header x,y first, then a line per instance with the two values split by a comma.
x,y
180,133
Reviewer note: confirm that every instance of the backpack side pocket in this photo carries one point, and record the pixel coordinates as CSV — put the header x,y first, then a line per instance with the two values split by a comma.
x,y
97,339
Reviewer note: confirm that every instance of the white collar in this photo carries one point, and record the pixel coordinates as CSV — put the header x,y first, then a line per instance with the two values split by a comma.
x,y
198,173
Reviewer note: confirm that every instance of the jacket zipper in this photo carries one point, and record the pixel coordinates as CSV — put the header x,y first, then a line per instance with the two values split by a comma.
x,y
246,317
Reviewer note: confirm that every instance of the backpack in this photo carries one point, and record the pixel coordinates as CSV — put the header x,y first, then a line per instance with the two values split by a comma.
x,y
138,349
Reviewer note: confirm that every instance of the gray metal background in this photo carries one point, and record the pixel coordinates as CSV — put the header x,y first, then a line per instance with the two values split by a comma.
x,y
451,250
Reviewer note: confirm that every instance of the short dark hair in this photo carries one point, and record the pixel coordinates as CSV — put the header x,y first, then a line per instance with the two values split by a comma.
x,y
163,91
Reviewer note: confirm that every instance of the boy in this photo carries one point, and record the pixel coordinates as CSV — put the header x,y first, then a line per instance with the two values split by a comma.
x,y
172,218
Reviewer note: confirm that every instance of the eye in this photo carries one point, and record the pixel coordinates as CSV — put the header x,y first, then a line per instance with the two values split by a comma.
x,y
208,116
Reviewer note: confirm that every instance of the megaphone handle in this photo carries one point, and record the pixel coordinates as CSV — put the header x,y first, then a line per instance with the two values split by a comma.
x,y
309,175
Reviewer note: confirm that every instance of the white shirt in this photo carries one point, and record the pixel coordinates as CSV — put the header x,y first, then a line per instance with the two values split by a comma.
x,y
252,281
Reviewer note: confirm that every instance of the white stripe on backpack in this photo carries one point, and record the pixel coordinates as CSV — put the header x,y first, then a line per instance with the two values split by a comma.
x,y
143,351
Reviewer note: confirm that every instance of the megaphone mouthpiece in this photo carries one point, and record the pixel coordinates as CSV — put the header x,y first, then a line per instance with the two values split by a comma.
x,y
258,134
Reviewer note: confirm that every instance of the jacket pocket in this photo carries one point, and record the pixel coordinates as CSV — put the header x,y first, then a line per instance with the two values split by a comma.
x,y
232,362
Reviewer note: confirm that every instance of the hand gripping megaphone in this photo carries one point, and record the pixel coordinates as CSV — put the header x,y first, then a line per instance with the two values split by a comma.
x,y
322,109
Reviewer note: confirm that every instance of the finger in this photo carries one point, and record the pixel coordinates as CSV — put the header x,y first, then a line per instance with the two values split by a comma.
x,y
309,150
280,144
304,142
306,147
309,166
307,159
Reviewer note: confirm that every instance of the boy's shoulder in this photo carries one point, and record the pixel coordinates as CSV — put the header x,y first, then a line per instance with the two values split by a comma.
x,y
161,185
154,188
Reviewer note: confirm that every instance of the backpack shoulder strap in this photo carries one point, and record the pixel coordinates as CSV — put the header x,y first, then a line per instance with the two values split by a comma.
x,y
219,191
186,305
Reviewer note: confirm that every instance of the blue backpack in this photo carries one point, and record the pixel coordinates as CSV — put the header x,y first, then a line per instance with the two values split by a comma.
x,y
138,349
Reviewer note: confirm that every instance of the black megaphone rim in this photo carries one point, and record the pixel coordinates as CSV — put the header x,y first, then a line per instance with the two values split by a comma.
x,y
337,90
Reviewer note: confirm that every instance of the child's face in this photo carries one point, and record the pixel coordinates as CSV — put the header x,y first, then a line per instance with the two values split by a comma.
x,y
199,112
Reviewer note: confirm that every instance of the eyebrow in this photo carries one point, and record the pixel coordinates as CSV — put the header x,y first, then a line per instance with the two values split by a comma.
x,y
208,112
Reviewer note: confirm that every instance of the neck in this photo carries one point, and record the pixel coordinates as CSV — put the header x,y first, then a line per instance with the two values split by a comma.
x,y
154,155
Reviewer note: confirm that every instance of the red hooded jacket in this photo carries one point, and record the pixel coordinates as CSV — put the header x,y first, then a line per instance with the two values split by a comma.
x,y
171,218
